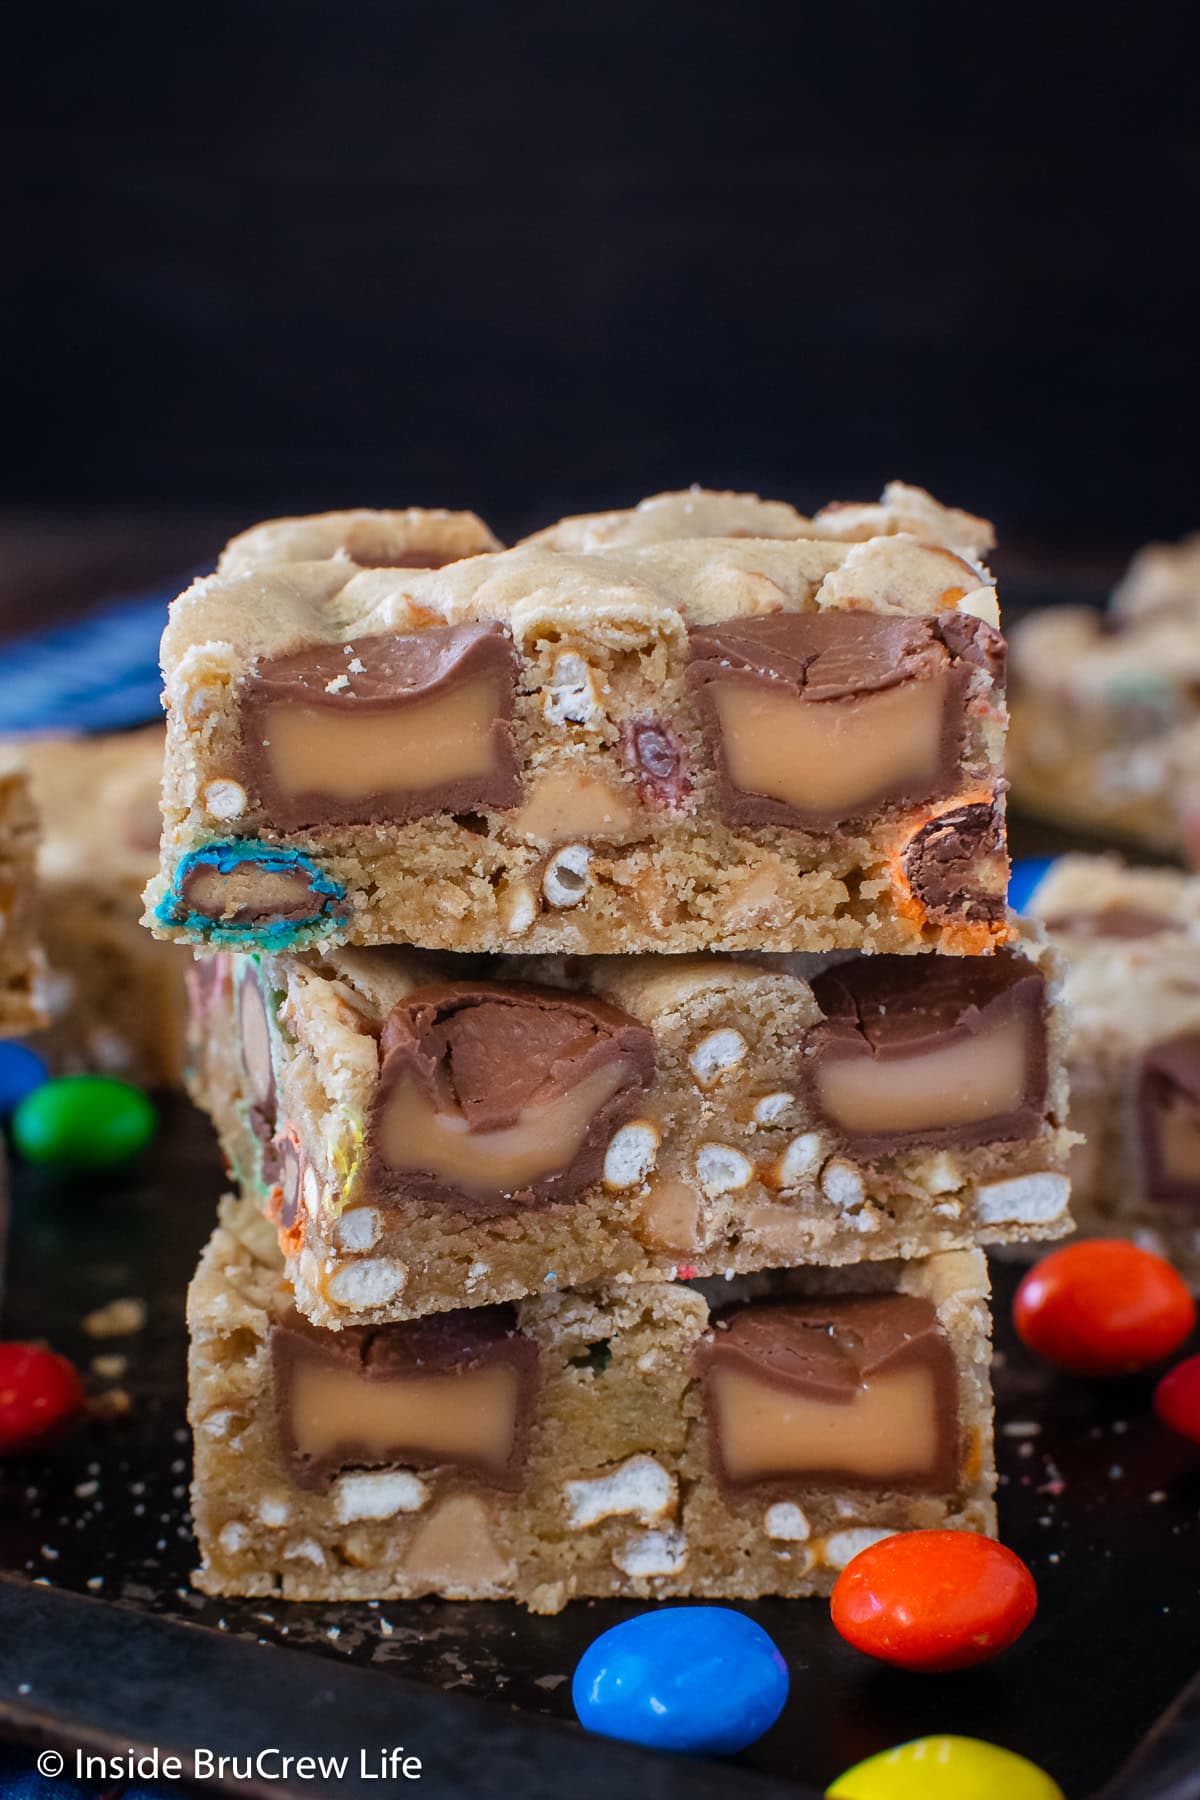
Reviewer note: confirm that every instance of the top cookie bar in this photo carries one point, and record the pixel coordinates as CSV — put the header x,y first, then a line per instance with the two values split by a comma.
x,y
768,742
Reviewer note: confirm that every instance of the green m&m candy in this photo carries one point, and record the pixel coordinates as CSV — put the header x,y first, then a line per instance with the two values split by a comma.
x,y
82,1122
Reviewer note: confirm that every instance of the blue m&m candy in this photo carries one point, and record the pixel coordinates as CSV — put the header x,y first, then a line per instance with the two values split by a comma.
x,y
1028,873
21,1070
701,1679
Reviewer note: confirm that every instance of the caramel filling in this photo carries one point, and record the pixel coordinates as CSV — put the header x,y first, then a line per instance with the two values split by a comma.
x,y
429,743
419,1137
826,756
1179,1140
251,891
570,805
982,1077
470,1417
887,1431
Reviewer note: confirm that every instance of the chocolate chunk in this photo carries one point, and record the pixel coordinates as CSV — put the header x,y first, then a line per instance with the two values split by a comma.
x,y
935,1051
1168,1102
456,1390
254,1049
850,1391
1115,921
957,865
290,1164
494,1100
384,730
816,719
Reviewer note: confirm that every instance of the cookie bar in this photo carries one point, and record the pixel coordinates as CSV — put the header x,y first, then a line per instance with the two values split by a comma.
x,y
730,743
1106,720
700,513
22,987
115,999
429,1133
644,1440
1130,939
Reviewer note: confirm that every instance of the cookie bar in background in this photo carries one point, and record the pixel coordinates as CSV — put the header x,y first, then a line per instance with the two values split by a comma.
x,y
722,1440
1105,708
1130,939
115,999
432,1132
22,984
718,742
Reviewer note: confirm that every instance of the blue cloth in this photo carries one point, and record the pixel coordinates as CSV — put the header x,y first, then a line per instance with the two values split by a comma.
x,y
1027,873
99,673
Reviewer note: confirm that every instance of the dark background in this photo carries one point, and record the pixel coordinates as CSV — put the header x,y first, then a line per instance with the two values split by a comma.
x,y
292,254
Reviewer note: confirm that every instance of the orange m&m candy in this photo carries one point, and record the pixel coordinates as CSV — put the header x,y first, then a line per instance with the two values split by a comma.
x,y
934,1600
1103,1307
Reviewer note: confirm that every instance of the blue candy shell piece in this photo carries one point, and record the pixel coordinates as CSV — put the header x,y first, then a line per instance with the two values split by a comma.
x,y
227,854
21,1071
699,1679
1027,874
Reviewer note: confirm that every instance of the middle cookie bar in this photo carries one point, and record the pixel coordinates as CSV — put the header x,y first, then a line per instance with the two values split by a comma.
x,y
432,1132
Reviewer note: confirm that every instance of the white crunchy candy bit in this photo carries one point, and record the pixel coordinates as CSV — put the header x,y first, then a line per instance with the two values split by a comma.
x,y
641,1486
769,1108
378,1494
273,1511
981,603
842,1183
518,909
631,1155
337,684
942,1173
716,1054
801,1159
312,1192
225,799
654,1553
232,1537
843,1546
305,1550
361,1285
720,1169
358,1229
570,695
786,1522
565,881
1024,1199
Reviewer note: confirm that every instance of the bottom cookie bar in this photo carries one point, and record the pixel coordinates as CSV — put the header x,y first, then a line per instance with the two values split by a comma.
x,y
713,1439
1131,942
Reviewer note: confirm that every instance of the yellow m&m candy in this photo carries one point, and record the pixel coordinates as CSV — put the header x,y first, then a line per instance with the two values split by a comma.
x,y
945,1768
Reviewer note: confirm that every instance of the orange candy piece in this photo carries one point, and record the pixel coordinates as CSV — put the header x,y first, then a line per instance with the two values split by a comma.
x,y
934,1600
1103,1307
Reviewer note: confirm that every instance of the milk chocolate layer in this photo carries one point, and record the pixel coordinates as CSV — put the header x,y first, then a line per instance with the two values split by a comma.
x,y
494,1099
816,719
384,730
457,1390
857,1391
250,893
1169,1119
934,1051
957,865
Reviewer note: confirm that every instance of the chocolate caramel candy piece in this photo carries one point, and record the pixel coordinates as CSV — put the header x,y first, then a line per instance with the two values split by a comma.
x,y
842,1392
497,1099
258,1067
384,730
456,1390
956,865
928,1050
1115,921
1169,1119
819,718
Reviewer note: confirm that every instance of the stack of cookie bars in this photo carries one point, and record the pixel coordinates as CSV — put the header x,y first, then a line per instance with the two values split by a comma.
x,y
607,1002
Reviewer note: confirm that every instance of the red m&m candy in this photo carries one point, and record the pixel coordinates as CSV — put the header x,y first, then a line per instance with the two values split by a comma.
x,y
1103,1307
1177,1399
39,1391
934,1600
